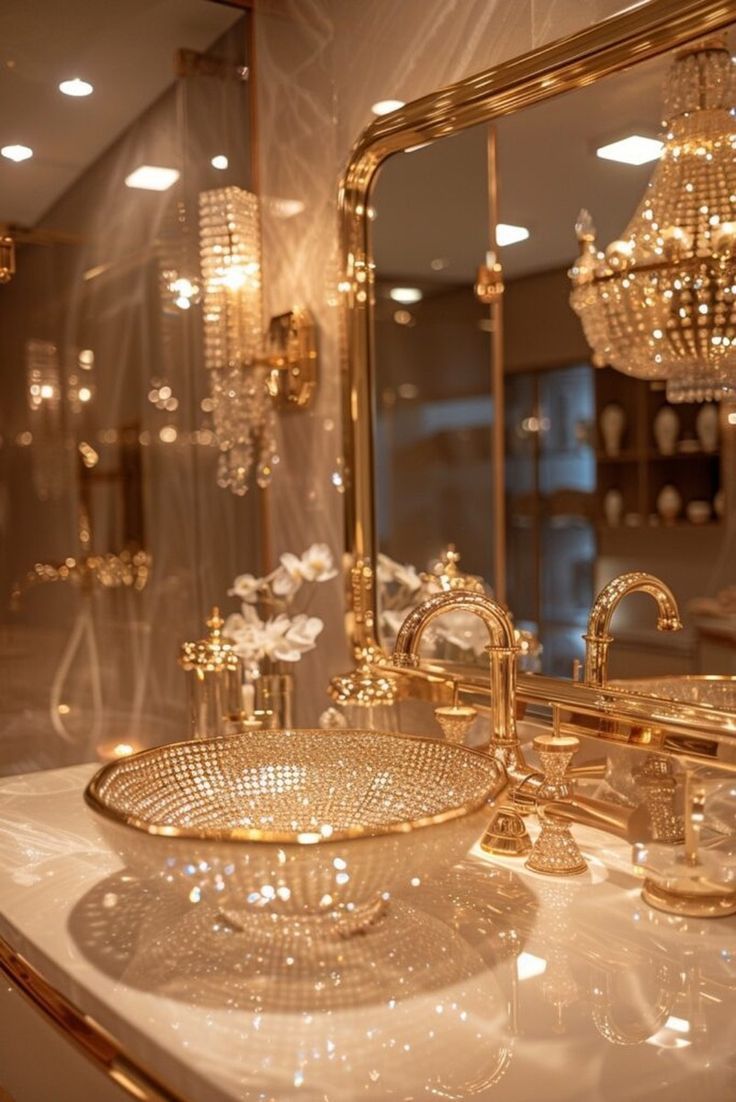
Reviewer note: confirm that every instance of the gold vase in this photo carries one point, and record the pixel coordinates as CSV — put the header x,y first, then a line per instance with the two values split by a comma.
x,y
274,692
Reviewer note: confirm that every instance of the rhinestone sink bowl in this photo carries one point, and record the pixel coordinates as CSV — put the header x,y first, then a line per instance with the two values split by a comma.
x,y
295,827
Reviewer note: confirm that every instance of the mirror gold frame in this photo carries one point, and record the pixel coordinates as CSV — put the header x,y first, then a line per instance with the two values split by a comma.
x,y
571,63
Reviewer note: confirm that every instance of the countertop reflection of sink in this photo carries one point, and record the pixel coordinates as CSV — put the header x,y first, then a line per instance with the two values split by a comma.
x,y
708,690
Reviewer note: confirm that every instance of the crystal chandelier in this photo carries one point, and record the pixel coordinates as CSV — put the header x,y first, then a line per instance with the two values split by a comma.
x,y
660,303
230,253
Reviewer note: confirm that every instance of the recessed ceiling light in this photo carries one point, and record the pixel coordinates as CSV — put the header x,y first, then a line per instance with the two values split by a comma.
x,y
405,295
152,178
510,235
16,152
634,150
220,161
285,208
386,106
76,87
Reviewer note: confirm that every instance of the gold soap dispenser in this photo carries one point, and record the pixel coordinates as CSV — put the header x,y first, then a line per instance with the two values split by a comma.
x,y
215,680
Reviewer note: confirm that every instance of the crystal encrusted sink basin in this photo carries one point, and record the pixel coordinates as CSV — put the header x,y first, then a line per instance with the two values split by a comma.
x,y
298,825
704,690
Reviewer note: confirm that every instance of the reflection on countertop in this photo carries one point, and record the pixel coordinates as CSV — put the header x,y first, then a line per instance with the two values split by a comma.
x,y
486,982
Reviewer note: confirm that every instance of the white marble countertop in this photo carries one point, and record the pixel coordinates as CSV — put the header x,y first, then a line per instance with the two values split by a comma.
x,y
491,982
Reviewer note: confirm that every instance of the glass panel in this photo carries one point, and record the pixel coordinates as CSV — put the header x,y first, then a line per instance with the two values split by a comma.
x,y
108,459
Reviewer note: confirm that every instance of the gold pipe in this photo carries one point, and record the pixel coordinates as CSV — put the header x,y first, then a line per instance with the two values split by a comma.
x,y
502,653
622,822
498,436
598,637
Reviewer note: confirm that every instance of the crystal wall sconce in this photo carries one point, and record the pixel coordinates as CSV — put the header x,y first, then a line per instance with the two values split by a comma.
x,y
252,373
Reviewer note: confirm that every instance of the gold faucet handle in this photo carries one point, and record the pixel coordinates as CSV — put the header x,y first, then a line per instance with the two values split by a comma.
x,y
455,721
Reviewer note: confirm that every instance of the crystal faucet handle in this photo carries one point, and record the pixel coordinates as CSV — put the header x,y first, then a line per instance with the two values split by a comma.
x,y
555,852
555,754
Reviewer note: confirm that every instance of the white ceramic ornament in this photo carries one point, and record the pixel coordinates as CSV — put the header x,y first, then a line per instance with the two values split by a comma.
x,y
613,423
706,425
666,429
669,503
613,507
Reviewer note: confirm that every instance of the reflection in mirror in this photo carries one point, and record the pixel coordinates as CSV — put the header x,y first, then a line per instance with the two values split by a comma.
x,y
108,466
604,473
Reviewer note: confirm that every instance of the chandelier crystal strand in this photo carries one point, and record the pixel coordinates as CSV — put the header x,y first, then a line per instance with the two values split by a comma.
x,y
230,252
660,303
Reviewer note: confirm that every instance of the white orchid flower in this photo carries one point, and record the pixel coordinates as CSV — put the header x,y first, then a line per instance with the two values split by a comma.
x,y
304,631
391,571
317,564
246,587
288,577
286,640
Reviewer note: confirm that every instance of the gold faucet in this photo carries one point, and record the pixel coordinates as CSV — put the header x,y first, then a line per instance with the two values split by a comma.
x,y
598,637
502,651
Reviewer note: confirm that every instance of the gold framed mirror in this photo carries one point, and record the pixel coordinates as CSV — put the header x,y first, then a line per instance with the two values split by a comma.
x,y
639,35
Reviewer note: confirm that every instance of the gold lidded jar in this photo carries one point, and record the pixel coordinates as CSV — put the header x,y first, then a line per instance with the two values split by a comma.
x,y
215,677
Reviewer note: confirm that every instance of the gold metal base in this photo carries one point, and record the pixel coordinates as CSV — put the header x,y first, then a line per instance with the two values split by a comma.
x,y
555,852
690,904
506,835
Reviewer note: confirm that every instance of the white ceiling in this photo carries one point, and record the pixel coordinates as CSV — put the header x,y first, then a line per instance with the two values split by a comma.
x,y
125,48
433,203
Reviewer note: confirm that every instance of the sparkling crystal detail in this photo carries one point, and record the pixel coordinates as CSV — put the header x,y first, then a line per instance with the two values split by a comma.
x,y
230,252
661,302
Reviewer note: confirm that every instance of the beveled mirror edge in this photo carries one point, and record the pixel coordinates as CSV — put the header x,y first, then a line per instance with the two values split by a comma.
x,y
563,65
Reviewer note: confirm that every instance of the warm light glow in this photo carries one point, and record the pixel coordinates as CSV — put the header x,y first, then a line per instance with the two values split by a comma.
x,y
528,966
220,161
386,106
732,418
16,152
285,208
405,295
152,178
84,394
634,150
168,434
507,234
47,391
122,750
76,87
86,358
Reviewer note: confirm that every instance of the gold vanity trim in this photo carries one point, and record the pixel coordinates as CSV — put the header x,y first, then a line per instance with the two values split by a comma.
x,y
561,66
103,1050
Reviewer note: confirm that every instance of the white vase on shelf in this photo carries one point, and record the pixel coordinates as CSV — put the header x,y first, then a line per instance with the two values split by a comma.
x,y
669,503
706,426
666,429
613,423
698,511
613,507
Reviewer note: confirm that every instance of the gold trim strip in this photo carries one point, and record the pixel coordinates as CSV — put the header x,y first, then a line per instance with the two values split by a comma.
x,y
561,66
100,1047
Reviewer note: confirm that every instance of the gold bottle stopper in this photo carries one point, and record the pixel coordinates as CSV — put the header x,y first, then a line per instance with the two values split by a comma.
x,y
211,654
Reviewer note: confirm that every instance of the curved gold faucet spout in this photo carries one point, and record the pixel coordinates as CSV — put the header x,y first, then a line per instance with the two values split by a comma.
x,y
598,637
502,653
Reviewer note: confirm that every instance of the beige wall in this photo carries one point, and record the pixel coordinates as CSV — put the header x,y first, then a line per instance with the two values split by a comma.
x,y
320,65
